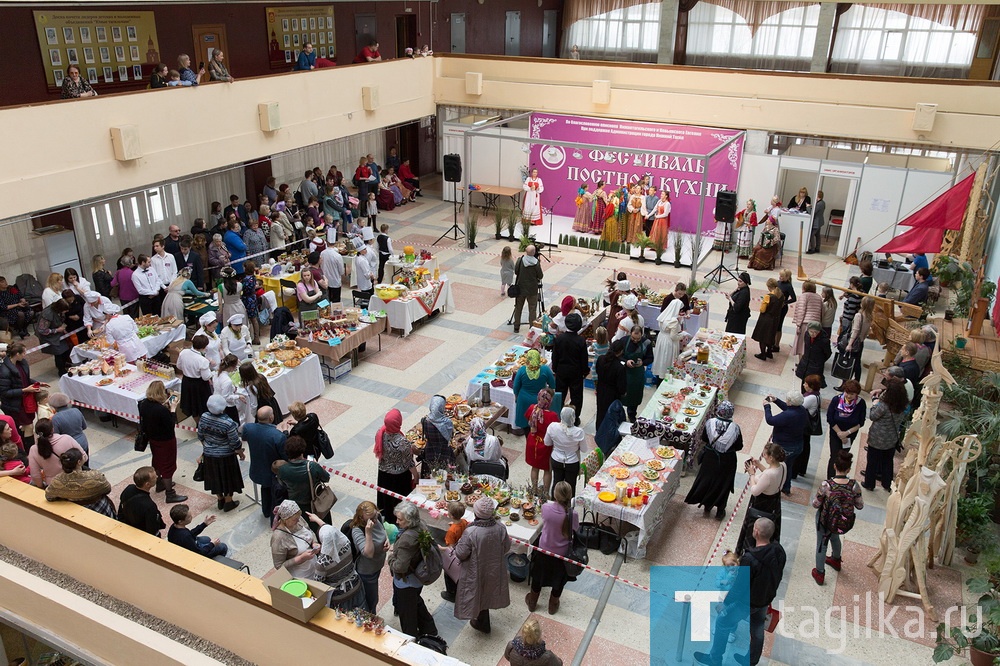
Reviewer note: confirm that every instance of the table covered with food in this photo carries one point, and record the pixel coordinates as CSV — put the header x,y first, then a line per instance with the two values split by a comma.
x,y
408,261
649,308
500,380
461,411
633,486
682,408
110,384
517,510
413,296
338,332
155,332
715,358
293,372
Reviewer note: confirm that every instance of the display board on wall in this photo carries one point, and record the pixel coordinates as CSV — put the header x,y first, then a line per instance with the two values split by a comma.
x,y
109,47
289,28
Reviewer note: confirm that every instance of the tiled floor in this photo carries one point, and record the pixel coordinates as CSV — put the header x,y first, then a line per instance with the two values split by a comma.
x,y
445,352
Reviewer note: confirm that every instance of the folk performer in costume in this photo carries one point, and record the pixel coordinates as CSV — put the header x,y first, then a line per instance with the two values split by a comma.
x,y
532,205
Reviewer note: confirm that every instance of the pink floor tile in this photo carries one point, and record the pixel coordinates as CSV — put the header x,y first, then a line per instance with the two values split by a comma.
x,y
474,299
774,366
749,420
856,579
685,537
326,410
423,241
407,351
500,334
813,267
510,454
418,398
563,640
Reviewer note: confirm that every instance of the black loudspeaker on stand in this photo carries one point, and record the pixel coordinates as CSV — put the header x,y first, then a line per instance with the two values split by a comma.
x,y
453,175
725,211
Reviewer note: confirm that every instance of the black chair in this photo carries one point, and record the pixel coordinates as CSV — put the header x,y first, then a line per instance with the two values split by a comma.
x,y
361,298
493,468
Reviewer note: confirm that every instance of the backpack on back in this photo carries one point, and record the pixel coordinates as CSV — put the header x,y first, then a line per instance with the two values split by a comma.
x,y
837,513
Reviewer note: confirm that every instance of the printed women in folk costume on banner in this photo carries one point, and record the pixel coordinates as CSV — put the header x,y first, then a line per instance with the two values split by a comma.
x,y
661,221
635,216
600,209
614,226
766,250
745,226
532,206
584,209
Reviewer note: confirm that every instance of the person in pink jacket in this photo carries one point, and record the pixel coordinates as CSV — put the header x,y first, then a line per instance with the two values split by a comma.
x,y
808,307
43,458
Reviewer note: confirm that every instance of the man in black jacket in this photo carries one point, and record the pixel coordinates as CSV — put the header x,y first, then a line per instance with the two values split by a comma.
x,y
137,508
188,259
766,562
528,279
570,363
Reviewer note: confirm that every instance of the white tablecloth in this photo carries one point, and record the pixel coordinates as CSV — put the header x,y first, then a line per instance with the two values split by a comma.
x,y
518,530
402,314
154,345
112,397
650,312
300,384
647,518
902,280
503,395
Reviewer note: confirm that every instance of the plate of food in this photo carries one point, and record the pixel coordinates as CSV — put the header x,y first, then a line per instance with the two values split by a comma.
x,y
651,474
690,412
665,452
697,403
681,426
497,382
503,511
107,381
619,473
504,372
533,521
273,372
644,486
655,464
607,496
293,363
628,459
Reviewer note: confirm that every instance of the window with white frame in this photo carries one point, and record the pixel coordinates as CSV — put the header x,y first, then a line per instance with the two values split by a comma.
x,y
630,34
720,37
873,40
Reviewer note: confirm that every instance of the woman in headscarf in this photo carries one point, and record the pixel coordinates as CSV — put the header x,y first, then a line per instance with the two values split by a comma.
x,y
293,544
396,469
484,584
566,306
438,431
482,445
722,438
638,353
815,352
536,454
220,449
334,566
628,317
738,313
668,342
621,288
529,379
566,441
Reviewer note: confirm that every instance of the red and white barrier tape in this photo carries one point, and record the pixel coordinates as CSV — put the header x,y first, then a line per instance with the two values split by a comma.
x,y
729,524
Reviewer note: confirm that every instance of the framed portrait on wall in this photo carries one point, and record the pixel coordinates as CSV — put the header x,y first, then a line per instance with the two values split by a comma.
x,y
72,57
105,54
55,57
69,35
322,52
133,52
288,41
295,40
92,74
284,25
88,55
329,22
120,53
295,25
58,76
312,23
123,73
116,33
322,38
288,56
320,22
329,38
51,36
102,33
136,72
84,34
109,75
312,37
132,34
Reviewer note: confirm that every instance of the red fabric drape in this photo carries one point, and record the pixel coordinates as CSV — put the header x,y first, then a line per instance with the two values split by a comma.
x,y
929,223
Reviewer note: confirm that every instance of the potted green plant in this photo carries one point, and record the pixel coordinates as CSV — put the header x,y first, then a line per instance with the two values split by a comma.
x,y
659,246
960,342
525,226
974,528
499,214
642,242
471,229
513,217
960,278
678,248
982,643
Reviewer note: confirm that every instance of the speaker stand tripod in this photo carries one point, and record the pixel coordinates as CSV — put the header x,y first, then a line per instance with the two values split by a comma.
x,y
716,274
454,227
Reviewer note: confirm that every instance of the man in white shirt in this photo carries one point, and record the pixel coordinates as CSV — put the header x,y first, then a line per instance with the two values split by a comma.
x,y
363,269
148,284
332,266
122,330
164,265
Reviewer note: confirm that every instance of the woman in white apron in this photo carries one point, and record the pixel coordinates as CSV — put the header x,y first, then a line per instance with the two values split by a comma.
x,y
668,342
235,338
532,198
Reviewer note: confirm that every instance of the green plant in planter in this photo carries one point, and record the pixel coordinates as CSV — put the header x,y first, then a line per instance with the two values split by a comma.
x,y
513,218
659,246
953,641
525,226
499,215
642,241
960,278
471,229
525,242
973,518
678,248
694,287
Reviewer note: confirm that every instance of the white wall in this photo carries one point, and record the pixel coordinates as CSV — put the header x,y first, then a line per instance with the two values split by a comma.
x,y
758,178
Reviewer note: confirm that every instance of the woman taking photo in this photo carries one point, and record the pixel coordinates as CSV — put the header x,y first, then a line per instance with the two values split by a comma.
x,y
767,475
372,544
396,469
845,415
566,441
811,401
722,438
256,392
293,544
157,419
414,618
438,431
43,458
484,584
788,429
88,488
220,449
883,435
558,524
536,454
529,379
769,321
306,425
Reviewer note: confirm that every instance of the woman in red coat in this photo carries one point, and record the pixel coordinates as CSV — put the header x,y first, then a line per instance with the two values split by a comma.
x,y
536,454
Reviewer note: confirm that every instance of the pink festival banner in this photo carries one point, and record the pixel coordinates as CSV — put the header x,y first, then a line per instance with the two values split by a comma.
x,y
627,159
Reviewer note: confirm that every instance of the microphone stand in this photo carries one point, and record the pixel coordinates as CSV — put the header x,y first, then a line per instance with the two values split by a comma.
x,y
550,245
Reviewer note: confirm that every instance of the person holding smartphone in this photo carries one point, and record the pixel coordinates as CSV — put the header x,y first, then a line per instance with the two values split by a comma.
x,y
189,76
